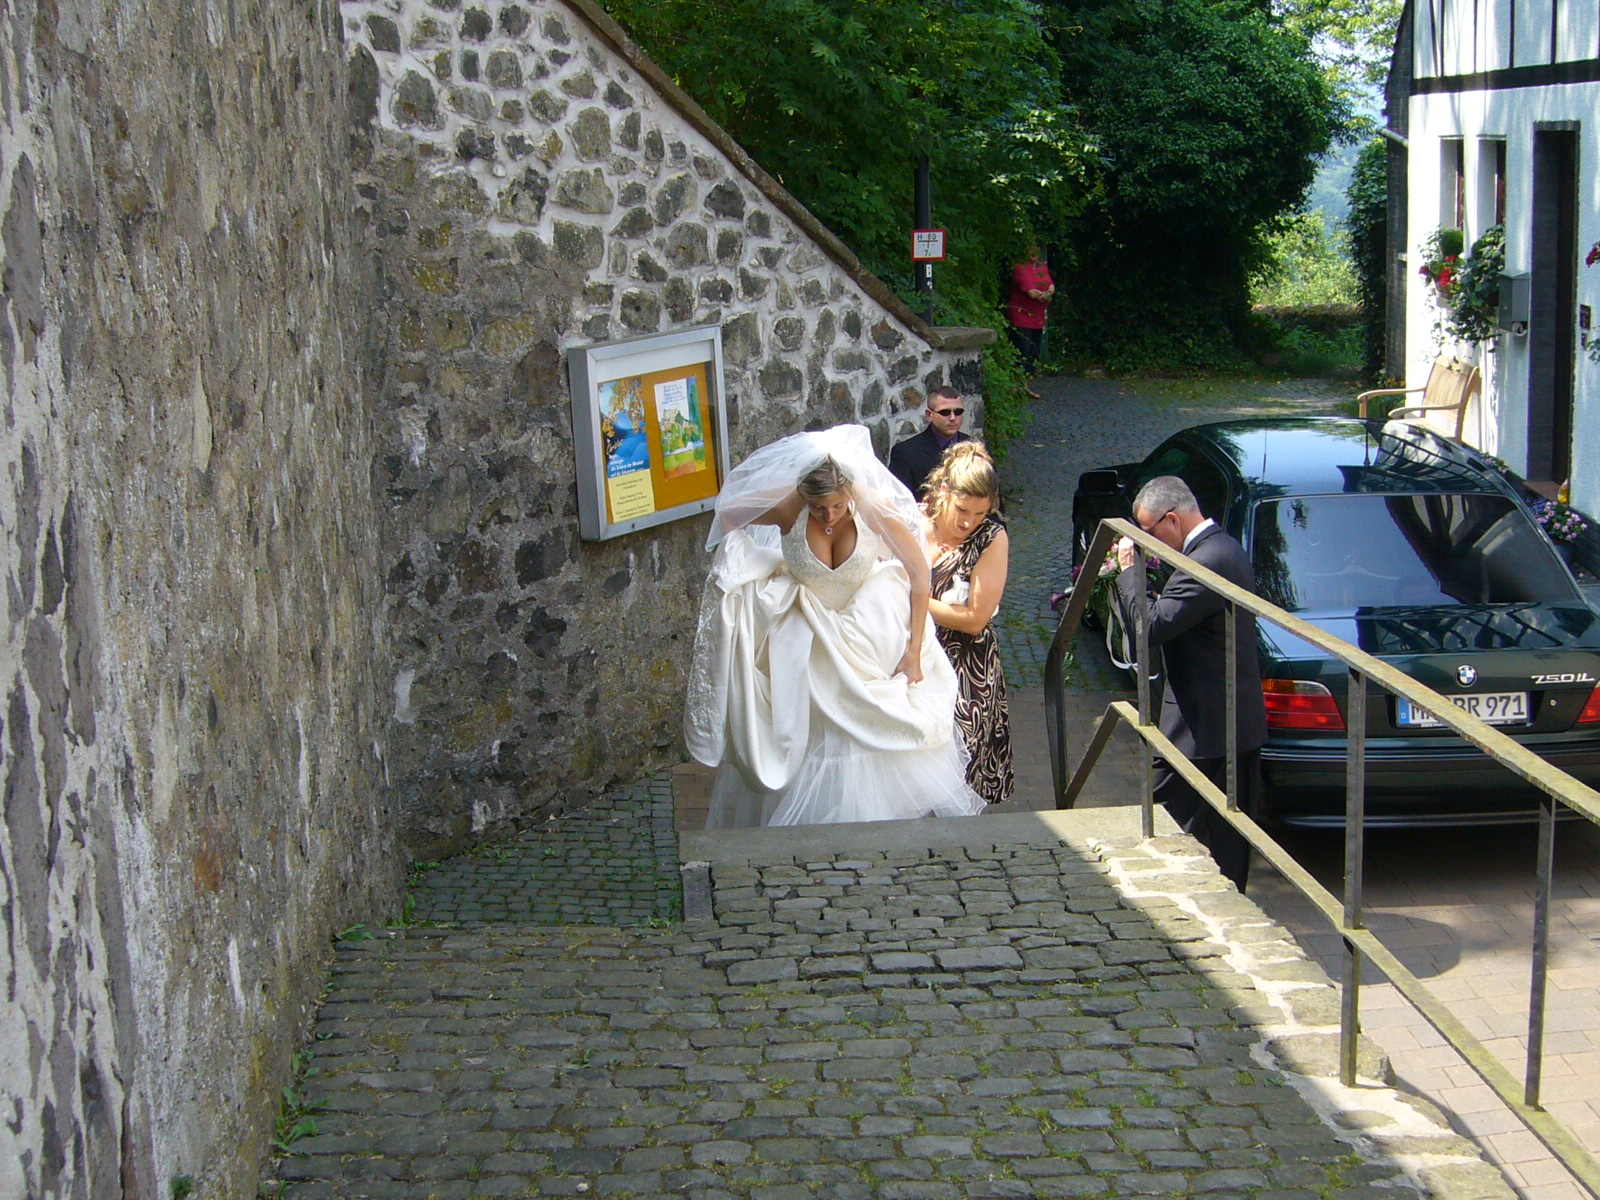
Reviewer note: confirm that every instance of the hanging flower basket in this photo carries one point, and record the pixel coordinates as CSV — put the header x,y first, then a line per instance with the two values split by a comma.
x,y
1475,308
1441,263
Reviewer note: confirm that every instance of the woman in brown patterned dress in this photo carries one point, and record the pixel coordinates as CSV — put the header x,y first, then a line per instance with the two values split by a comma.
x,y
970,551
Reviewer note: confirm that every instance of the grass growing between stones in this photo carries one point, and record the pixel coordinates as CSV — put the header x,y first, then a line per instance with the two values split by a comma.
x,y
296,1114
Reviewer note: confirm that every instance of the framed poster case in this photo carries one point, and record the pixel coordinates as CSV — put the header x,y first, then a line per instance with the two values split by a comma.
x,y
649,429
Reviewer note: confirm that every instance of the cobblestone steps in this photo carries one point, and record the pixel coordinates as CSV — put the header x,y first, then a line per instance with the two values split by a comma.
x,y
1014,1010
612,863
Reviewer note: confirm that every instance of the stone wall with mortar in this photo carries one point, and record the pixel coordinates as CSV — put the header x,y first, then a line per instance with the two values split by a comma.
x,y
192,647
530,182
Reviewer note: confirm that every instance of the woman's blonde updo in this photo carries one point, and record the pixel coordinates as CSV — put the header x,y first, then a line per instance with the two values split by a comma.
x,y
965,470
826,480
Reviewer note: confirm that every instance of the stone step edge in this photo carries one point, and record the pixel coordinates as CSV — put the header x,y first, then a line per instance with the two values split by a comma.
x,y
1379,1119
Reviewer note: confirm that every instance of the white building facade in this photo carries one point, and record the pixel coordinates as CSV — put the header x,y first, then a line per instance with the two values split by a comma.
x,y
1502,124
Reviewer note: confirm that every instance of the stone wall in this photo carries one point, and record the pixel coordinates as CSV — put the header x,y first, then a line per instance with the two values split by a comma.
x,y
193,640
531,182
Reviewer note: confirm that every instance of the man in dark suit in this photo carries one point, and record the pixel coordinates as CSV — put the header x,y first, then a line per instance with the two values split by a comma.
x,y
913,460
1189,623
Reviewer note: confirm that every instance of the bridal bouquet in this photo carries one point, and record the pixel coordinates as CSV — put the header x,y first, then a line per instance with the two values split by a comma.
x,y
1105,585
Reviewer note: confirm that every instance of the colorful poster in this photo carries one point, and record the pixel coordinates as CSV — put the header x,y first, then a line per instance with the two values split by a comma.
x,y
626,444
683,431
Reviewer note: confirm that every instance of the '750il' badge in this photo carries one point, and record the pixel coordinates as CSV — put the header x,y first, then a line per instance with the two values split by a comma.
x,y
1467,674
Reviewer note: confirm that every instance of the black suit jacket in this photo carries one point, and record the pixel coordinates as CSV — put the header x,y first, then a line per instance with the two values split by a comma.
x,y
913,460
1189,622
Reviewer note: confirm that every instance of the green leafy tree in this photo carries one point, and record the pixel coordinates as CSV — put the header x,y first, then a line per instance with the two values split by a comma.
x,y
1211,115
1368,228
1353,38
1305,264
839,99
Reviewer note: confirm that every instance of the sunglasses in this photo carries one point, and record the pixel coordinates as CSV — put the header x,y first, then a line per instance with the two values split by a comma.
x,y
950,412
1151,528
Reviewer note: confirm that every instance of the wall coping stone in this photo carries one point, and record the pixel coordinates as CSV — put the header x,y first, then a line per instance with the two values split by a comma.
x,y
617,38
964,337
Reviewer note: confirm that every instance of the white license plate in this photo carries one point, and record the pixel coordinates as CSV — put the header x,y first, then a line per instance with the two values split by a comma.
x,y
1495,708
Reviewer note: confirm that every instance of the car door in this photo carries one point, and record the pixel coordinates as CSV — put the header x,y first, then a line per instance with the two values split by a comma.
x,y
1192,462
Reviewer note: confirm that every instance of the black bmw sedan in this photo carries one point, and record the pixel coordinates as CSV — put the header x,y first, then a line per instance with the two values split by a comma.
x,y
1419,551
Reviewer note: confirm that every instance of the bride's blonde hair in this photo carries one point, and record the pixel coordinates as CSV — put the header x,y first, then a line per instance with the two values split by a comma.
x,y
826,480
965,470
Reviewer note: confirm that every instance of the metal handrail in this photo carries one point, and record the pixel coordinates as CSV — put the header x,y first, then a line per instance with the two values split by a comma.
x,y
1558,788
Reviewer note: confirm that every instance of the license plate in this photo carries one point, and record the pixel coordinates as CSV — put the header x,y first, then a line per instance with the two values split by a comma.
x,y
1495,708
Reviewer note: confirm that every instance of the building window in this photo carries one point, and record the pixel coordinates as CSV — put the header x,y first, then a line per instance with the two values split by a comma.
x,y
1453,182
1491,182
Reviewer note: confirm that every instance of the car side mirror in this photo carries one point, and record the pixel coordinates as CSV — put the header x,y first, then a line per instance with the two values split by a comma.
x,y
1100,483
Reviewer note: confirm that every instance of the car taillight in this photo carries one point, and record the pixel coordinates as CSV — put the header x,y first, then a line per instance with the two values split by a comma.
x,y
1295,704
1591,710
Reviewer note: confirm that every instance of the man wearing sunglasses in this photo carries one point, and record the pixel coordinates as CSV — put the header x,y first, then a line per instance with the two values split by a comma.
x,y
913,460
1188,622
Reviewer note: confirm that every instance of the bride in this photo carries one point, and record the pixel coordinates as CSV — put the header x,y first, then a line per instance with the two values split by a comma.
x,y
817,689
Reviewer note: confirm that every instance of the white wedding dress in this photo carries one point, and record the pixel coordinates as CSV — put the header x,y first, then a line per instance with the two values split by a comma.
x,y
793,694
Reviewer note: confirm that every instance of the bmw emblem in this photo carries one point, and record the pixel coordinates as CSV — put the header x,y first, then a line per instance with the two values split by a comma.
x,y
1467,675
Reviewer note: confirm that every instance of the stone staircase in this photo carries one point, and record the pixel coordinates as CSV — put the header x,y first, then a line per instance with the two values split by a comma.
x,y
1007,1006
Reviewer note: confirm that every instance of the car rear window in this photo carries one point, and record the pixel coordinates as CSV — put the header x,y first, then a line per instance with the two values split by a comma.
x,y
1318,553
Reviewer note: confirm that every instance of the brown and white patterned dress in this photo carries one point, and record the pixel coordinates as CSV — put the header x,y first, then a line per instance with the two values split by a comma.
x,y
981,711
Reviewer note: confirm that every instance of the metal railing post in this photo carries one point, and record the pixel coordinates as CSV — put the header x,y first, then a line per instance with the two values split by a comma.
x,y
1541,950
1147,811
1061,770
1231,659
1355,828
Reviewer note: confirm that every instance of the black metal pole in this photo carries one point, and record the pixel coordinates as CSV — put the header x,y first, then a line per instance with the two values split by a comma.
x,y
924,220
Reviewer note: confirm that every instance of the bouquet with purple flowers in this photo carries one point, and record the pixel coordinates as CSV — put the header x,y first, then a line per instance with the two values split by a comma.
x,y
1559,520
1105,584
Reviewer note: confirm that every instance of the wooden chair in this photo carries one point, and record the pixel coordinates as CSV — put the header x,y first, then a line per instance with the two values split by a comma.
x,y
1450,388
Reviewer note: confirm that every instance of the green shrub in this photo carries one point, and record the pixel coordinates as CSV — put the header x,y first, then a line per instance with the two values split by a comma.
x,y
1475,307
1305,265
1315,341
1368,231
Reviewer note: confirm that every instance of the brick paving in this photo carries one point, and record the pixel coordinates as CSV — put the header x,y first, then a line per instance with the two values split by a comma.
x,y
1462,920
1027,1019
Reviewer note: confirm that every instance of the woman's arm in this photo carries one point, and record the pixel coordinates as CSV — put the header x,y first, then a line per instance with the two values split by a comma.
x,y
783,513
988,585
910,664
889,526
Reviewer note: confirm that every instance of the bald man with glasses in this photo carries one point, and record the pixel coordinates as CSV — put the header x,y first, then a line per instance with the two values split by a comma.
x,y
1188,622
913,460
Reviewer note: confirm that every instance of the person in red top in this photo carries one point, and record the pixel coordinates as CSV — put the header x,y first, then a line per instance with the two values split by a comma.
x,y
1031,292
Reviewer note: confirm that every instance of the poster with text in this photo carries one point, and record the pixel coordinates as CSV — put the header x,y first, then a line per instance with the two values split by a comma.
x,y
683,428
630,490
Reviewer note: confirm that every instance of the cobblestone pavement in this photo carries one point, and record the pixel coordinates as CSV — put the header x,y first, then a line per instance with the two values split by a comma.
x,y
615,862
1027,1019
1007,1011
